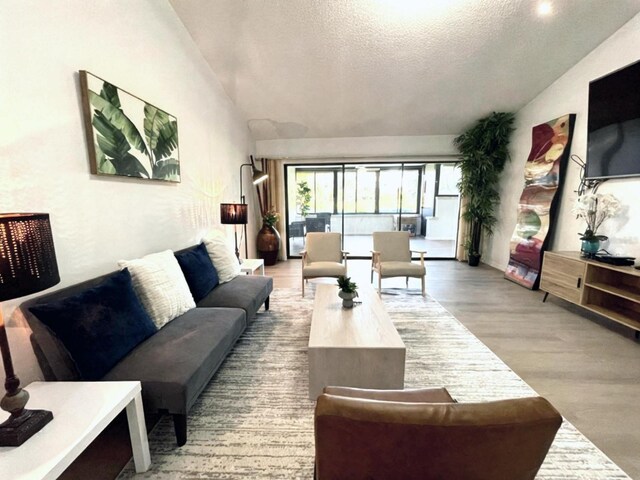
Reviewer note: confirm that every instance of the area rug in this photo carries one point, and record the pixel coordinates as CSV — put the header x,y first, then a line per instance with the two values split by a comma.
x,y
255,420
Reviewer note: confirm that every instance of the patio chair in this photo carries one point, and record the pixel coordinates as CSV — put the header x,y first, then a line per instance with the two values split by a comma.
x,y
323,256
391,257
425,435
316,224
296,229
327,219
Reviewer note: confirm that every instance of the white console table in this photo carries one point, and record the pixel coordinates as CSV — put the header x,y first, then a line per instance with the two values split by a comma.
x,y
81,410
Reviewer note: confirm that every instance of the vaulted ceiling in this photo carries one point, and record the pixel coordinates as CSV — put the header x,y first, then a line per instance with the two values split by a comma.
x,y
350,68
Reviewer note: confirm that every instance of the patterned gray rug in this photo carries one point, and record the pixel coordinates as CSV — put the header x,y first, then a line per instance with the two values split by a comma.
x,y
255,421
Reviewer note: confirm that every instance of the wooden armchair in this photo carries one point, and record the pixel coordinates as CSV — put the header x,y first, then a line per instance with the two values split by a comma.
x,y
391,257
323,256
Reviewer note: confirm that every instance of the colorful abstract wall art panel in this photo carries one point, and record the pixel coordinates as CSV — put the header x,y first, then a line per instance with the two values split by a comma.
x,y
543,176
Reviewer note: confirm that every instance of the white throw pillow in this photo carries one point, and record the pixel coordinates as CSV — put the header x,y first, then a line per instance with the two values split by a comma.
x,y
160,284
223,256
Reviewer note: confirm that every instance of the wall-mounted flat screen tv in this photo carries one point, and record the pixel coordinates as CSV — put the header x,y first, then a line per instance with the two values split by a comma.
x,y
613,141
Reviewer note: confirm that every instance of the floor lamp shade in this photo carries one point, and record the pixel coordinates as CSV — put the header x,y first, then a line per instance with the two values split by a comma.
x,y
233,213
27,255
27,265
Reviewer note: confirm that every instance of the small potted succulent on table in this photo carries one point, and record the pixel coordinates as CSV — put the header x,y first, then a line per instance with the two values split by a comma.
x,y
348,291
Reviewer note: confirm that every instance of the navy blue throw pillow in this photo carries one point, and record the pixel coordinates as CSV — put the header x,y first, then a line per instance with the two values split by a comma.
x,y
99,326
201,275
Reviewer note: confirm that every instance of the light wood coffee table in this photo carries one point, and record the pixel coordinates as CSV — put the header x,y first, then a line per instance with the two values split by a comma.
x,y
357,347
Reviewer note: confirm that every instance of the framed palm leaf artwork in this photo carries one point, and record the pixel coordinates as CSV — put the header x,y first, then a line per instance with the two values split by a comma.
x,y
126,135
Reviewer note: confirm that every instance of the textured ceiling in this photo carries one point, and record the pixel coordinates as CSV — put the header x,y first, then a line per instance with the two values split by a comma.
x,y
350,68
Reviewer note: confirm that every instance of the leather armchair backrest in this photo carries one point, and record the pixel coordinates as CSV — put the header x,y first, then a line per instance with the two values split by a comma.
x,y
370,439
393,246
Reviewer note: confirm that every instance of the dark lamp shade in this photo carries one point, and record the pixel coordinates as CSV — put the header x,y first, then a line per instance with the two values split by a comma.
x,y
27,256
233,213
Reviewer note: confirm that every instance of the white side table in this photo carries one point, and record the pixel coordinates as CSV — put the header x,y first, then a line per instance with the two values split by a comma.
x,y
250,265
81,410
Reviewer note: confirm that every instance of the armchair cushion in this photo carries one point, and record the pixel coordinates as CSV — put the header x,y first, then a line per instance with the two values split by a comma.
x,y
324,269
401,269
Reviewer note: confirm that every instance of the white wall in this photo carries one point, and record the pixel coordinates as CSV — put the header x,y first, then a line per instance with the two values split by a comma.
x,y
354,147
569,94
142,47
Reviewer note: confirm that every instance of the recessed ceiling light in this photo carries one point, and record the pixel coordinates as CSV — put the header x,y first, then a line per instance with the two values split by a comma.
x,y
545,8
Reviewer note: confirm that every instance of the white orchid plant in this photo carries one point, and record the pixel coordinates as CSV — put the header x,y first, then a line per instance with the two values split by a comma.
x,y
595,208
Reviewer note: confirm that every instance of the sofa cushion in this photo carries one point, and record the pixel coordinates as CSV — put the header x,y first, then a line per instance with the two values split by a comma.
x,y
198,270
176,363
161,286
222,256
98,326
245,291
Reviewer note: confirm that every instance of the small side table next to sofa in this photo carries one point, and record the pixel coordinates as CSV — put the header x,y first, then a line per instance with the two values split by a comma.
x,y
81,410
250,265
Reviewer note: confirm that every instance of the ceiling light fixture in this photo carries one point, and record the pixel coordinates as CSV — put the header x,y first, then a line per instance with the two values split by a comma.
x,y
545,8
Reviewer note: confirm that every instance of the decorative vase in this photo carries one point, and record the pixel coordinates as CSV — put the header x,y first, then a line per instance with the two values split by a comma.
x,y
268,244
347,298
590,247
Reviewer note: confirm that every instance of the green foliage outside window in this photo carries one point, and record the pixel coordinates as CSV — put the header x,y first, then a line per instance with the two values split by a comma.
x,y
303,198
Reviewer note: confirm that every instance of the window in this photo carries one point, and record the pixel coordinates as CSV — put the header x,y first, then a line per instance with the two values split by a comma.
x,y
367,189
389,191
321,185
322,192
366,182
410,188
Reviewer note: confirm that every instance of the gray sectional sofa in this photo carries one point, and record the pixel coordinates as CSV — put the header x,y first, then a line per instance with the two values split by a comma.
x,y
177,362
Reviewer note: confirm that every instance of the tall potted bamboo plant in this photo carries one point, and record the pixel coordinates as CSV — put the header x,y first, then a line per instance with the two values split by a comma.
x,y
483,155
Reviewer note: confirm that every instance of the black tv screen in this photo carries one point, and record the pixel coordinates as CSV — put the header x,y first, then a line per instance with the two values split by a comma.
x,y
613,140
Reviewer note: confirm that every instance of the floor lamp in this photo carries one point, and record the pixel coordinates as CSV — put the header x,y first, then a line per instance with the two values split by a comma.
x,y
257,177
234,214
27,265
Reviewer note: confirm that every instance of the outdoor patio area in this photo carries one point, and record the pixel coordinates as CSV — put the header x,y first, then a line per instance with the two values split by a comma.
x,y
361,246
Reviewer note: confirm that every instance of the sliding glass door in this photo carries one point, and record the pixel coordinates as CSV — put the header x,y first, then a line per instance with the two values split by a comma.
x,y
359,199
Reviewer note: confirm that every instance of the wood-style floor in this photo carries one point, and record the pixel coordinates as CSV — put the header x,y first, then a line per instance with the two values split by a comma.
x,y
586,366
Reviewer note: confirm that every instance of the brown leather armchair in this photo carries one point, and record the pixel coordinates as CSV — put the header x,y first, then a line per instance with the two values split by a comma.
x,y
425,435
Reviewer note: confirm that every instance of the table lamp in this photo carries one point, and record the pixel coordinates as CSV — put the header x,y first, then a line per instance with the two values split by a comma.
x,y
234,214
27,265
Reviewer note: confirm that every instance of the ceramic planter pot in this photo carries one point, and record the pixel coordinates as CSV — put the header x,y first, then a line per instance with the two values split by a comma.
x,y
347,298
590,247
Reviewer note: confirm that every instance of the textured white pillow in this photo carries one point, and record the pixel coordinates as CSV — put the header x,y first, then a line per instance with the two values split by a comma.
x,y
223,256
160,285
